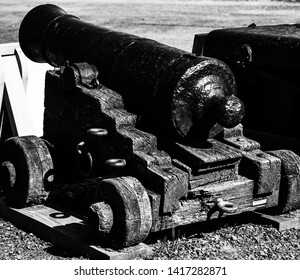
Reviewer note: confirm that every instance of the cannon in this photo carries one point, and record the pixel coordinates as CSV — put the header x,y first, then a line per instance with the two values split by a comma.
x,y
152,78
264,60
139,136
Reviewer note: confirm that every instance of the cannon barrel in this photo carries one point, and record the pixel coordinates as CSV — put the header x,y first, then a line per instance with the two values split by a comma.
x,y
178,92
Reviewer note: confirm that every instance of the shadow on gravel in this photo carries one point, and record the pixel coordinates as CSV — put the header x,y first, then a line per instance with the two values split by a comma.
x,y
198,229
61,253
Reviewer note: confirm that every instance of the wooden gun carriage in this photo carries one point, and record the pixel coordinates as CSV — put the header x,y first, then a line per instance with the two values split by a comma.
x,y
139,136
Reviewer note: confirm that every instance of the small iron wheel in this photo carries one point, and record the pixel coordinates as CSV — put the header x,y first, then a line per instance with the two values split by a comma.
x,y
123,214
26,170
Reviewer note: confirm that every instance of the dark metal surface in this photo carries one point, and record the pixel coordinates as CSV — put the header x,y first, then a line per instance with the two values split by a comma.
x,y
175,91
265,61
275,46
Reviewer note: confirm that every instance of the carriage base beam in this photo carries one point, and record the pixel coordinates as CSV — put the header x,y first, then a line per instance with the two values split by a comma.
x,y
66,230
279,222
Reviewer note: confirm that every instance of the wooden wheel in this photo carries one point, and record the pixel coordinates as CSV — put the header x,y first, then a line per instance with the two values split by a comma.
x,y
123,214
289,193
26,170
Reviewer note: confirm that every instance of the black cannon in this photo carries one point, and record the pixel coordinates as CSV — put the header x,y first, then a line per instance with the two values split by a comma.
x,y
180,92
265,63
143,136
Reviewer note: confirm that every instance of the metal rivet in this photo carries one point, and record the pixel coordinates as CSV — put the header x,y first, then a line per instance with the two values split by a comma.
x,y
115,162
243,55
98,132
84,160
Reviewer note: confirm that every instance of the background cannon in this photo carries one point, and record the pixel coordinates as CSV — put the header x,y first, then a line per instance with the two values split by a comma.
x,y
265,63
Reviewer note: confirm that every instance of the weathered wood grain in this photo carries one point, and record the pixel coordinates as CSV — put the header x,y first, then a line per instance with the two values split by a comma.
x,y
130,214
72,114
279,222
264,169
199,208
33,170
207,162
289,193
67,230
208,175
207,153
118,208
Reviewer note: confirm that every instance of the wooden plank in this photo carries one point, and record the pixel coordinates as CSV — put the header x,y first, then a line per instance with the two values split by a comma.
x,y
210,152
15,99
199,209
279,222
68,230
9,49
30,77
239,187
225,173
22,65
1,80
192,212
13,81
1,93
264,168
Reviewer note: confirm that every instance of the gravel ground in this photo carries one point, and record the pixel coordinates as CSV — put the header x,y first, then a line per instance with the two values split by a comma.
x,y
16,244
230,240
240,242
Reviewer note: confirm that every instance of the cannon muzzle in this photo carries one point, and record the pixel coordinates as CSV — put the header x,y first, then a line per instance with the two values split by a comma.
x,y
175,91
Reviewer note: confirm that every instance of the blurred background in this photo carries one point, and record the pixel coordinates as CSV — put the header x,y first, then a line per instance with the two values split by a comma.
x,y
174,22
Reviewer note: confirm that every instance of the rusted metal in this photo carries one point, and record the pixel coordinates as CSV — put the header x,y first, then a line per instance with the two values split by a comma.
x,y
83,73
182,93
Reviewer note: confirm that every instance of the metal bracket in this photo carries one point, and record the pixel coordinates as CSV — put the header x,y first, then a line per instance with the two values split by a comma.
x,y
235,137
74,74
222,207
243,55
